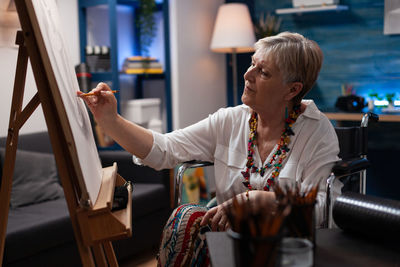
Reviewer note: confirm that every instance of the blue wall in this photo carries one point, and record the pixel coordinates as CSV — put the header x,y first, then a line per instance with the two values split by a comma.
x,y
356,50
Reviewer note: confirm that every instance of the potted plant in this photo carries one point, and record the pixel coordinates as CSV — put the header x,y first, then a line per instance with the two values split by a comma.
x,y
390,99
267,25
145,21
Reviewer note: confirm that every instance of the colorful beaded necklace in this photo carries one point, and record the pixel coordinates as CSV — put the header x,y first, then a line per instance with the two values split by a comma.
x,y
278,156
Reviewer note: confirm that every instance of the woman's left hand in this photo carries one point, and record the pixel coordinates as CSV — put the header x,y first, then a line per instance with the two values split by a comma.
x,y
259,200
217,219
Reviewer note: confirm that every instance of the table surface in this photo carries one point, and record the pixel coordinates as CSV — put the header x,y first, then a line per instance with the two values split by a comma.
x,y
333,248
344,116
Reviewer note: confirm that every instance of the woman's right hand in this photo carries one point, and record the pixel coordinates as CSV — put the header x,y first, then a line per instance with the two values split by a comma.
x,y
102,104
133,138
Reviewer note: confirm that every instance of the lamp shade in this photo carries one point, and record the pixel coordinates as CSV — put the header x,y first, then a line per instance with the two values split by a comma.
x,y
233,30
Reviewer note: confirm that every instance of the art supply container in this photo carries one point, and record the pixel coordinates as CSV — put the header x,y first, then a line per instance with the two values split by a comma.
x,y
252,251
301,222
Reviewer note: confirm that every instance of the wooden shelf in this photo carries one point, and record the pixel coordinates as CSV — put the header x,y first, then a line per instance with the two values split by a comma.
x,y
113,76
343,116
300,10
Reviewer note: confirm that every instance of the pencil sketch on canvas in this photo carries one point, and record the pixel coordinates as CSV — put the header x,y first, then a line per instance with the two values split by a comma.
x,y
49,23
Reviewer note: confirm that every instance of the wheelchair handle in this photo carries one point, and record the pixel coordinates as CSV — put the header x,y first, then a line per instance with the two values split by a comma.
x,y
364,131
369,117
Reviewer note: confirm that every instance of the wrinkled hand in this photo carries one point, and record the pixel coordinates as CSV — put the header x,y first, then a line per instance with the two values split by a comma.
x,y
259,201
216,218
102,104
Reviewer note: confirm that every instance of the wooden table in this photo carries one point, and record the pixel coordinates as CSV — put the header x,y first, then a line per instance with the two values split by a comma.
x,y
344,116
333,248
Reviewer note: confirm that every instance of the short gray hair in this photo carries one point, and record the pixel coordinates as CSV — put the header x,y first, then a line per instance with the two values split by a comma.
x,y
298,58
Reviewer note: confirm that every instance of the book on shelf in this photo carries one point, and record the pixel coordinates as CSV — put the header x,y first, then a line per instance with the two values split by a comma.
x,y
140,59
143,71
139,65
151,65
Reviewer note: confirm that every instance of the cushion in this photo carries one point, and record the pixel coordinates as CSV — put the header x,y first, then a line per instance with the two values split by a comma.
x,y
36,228
35,178
148,198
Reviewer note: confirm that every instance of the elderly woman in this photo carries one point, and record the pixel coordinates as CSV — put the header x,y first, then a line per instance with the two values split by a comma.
x,y
274,135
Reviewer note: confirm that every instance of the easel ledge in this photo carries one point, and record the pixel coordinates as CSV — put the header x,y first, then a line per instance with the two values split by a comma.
x,y
100,223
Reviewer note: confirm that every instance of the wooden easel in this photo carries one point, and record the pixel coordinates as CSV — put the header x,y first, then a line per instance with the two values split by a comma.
x,y
94,227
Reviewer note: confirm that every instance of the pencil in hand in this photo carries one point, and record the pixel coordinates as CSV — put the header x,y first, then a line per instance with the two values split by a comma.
x,y
91,93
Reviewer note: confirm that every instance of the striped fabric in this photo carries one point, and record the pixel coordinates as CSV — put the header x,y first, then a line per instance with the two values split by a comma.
x,y
183,241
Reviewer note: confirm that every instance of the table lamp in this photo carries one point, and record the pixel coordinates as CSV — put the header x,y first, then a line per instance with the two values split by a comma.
x,y
233,33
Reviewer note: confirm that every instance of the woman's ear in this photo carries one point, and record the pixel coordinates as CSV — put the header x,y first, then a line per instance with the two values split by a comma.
x,y
295,89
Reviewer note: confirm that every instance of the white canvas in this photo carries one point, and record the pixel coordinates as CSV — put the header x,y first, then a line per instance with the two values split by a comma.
x,y
48,19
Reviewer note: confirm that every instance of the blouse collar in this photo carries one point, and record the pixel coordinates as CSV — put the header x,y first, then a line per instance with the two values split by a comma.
x,y
311,110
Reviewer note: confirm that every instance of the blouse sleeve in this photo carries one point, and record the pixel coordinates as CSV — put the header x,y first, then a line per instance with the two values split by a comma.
x,y
195,142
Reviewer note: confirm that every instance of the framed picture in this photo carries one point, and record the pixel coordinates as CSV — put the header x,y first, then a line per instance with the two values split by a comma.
x,y
392,17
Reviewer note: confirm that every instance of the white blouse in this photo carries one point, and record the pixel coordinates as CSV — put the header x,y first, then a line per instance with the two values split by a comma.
x,y
222,138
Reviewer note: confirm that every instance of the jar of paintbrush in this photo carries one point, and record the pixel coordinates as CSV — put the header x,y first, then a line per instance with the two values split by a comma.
x,y
256,235
299,226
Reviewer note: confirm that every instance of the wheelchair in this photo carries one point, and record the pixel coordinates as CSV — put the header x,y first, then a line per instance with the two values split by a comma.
x,y
350,170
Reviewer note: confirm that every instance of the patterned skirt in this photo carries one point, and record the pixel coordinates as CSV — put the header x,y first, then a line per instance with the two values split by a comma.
x,y
183,240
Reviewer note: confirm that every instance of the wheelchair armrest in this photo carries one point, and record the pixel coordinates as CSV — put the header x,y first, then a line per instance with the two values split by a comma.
x,y
340,169
346,167
212,203
179,177
197,163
